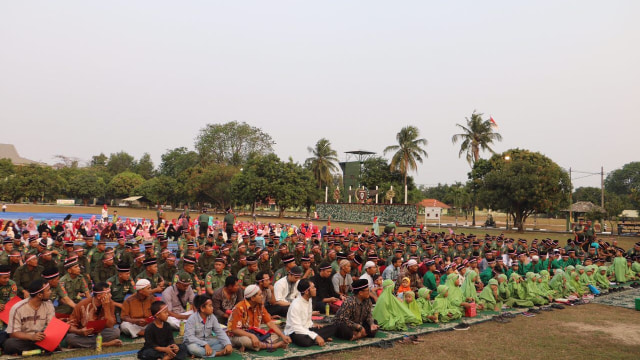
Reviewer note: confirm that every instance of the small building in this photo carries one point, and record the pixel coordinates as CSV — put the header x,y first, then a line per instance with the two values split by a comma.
x,y
433,209
135,201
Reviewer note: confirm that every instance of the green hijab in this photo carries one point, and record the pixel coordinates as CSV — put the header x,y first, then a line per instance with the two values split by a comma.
x,y
426,308
455,292
488,298
412,305
443,306
469,287
390,313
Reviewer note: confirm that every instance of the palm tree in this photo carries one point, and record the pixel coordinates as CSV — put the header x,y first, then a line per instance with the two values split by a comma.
x,y
322,163
477,135
408,151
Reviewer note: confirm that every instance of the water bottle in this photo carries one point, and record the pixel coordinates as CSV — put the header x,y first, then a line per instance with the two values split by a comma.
x,y
326,309
32,352
181,328
99,343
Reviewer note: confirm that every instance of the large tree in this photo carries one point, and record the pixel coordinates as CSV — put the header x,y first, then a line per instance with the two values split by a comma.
x,y
86,185
37,183
267,177
408,152
160,190
177,160
122,185
323,162
144,167
477,134
210,184
120,162
626,183
231,143
521,183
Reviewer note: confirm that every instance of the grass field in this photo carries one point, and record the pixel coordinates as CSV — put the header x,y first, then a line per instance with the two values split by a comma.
x,y
590,331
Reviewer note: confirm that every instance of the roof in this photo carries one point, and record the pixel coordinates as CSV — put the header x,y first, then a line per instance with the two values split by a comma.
x,y
8,151
135,198
584,207
433,203
360,152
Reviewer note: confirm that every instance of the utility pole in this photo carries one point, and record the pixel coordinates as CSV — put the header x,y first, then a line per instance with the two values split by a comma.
x,y
570,202
602,187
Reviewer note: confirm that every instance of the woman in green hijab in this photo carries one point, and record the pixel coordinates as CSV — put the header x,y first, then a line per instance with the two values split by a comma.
x,y
426,308
602,282
489,298
531,290
413,307
469,287
620,267
518,292
456,297
390,313
574,281
443,307
543,284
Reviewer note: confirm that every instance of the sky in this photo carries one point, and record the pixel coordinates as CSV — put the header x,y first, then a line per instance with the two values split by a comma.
x,y
80,78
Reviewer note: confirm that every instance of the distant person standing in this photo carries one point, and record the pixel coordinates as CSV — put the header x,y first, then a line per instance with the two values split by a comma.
x,y
160,214
203,222
105,213
4,207
229,221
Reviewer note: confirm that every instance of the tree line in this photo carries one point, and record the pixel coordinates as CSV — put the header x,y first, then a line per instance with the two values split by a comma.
x,y
234,164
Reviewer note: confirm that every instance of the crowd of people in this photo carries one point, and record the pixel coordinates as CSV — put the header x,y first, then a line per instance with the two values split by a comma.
x,y
229,284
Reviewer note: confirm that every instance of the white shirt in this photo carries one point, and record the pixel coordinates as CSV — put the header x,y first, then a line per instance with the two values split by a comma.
x,y
282,288
299,318
369,279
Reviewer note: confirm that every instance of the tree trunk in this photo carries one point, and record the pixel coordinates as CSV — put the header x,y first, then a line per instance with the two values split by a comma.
x,y
281,211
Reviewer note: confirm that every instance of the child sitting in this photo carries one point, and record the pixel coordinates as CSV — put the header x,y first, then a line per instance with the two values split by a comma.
x,y
158,337
200,329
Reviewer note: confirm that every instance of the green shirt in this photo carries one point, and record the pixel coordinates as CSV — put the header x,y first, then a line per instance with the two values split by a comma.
x,y
7,292
214,281
120,289
23,277
75,289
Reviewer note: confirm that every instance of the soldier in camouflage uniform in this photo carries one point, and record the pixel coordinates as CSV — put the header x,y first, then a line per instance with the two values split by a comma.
x,y
74,285
120,248
168,269
215,278
137,267
150,273
26,274
121,285
206,260
8,288
188,267
6,250
104,270
52,277
264,264
248,273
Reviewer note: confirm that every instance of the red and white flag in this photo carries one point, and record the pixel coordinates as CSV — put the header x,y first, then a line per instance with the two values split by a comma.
x,y
493,122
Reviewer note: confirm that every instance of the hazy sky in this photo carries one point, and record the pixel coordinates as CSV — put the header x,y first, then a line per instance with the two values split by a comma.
x,y
561,77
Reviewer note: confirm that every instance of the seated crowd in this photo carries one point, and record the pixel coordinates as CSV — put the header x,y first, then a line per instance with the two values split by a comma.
x,y
226,291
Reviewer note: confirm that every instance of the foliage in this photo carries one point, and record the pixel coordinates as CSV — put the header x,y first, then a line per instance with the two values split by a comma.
x,y
144,167
160,190
476,135
85,185
375,172
6,168
176,161
122,185
33,182
408,152
99,160
528,183
626,183
210,184
120,162
267,177
231,143
322,163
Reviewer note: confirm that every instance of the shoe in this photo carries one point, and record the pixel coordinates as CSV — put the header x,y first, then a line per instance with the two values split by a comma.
x,y
557,306
528,314
533,311
508,315
546,308
461,326
498,319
